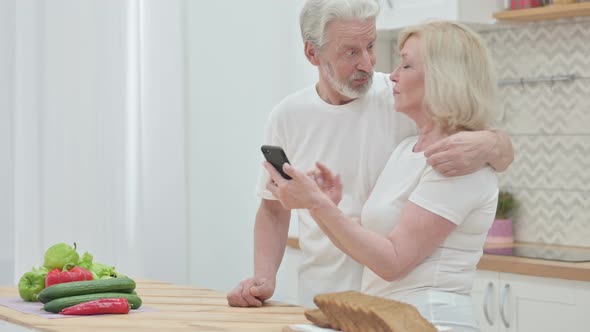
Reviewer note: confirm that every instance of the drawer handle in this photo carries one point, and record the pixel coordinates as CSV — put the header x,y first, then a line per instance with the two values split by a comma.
x,y
486,301
503,306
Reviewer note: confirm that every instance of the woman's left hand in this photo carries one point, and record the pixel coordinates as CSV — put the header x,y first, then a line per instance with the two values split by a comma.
x,y
328,182
301,192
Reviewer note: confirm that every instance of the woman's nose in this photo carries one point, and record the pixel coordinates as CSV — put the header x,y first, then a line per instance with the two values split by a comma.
x,y
393,76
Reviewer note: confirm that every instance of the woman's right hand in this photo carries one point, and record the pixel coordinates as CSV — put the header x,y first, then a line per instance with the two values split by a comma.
x,y
327,181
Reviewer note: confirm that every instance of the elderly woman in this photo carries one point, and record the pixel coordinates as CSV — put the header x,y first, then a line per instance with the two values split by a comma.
x,y
421,234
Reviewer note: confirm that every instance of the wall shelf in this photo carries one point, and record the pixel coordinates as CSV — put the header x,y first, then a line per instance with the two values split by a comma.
x,y
551,12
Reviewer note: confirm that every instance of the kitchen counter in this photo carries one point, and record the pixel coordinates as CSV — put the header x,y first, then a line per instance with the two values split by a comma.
x,y
177,308
521,265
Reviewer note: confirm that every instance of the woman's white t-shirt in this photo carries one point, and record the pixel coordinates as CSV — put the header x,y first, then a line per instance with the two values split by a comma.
x,y
444,279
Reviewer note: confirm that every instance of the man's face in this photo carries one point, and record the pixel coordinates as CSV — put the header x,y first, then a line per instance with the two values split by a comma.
x,y
348,56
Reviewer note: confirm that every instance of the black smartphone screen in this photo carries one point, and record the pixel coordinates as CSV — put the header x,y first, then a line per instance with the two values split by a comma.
x,y
276,157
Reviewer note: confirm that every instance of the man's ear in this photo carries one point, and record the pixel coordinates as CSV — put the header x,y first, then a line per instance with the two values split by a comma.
x,y
311,52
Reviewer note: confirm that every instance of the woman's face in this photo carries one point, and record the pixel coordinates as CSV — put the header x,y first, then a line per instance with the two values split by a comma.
x,y
409,78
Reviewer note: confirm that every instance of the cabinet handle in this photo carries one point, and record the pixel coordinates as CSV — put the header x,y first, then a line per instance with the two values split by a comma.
x,y
390,4
503,306
486,298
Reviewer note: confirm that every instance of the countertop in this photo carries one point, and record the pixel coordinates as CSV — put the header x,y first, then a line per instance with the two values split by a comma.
x,y
521,265
178,308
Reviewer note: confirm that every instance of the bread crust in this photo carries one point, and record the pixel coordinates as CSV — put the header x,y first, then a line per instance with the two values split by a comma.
x,y
352,311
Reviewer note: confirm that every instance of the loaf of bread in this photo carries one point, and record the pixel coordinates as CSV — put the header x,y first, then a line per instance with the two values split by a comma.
x,y
352,311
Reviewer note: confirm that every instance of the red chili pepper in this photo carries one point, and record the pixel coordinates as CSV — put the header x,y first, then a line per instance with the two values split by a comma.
x,y
98,307
68,274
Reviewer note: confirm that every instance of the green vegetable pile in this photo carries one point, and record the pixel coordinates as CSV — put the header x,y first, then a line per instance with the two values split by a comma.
x,y
56,257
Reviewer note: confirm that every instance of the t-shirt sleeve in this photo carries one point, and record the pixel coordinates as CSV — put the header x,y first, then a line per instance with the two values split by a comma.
x,y
270,138
454,198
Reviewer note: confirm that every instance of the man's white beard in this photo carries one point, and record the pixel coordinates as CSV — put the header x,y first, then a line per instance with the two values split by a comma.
x,y
346,88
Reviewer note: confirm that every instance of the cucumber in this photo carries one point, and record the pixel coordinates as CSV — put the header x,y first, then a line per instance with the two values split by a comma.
x,y
58,305
112,285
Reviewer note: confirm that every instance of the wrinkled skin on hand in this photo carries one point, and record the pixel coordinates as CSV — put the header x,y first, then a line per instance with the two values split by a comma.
x,y
31,284
304,191
251,292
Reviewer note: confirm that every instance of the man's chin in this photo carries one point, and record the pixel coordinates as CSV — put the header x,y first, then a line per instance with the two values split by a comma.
x,y
362,89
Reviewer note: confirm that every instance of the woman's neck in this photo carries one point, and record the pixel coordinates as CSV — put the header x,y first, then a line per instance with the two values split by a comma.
x,y
429,132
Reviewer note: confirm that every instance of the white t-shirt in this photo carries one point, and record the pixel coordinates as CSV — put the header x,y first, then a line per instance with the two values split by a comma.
x,y
446,276
354,140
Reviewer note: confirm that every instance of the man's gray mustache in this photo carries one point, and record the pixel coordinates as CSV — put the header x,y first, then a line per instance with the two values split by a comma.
x,y
359,75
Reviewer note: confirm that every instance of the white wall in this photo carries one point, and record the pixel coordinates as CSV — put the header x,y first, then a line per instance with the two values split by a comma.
x,y
69,125
6,133
243,57
162,222
98,135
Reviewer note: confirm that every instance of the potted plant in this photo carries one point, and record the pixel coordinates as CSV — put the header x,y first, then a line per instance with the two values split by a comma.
x,y
501,231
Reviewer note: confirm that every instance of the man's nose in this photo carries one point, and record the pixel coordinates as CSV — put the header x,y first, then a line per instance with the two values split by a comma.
x,y
366,62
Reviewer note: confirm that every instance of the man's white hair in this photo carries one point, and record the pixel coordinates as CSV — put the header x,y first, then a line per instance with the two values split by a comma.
x,y
316,14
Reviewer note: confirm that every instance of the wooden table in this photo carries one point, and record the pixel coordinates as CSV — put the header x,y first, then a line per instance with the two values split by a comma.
x,y
178,308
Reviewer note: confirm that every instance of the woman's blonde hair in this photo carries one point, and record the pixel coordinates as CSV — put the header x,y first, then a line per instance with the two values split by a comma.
x,y
459,79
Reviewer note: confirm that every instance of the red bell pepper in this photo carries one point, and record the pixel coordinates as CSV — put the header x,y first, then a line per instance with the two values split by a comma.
x,y
98,307
68,274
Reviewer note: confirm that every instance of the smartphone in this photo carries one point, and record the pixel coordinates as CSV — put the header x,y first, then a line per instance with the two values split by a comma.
x,y
276,157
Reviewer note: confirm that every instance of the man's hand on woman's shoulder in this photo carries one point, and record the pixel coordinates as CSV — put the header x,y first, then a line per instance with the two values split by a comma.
x,y
464,152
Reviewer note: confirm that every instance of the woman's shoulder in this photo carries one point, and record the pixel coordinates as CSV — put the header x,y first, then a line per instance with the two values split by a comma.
x,y
483,178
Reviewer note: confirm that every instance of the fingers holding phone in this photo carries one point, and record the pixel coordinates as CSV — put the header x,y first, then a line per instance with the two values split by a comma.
x,y
276,157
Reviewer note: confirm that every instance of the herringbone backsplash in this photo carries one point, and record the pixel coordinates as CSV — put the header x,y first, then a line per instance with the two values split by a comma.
x,y
550,128
549,123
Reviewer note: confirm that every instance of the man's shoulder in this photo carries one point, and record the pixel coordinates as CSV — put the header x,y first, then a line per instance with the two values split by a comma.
x,y
295,101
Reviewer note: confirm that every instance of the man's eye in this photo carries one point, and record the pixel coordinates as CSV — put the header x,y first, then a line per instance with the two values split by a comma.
x,y
406,66
350,52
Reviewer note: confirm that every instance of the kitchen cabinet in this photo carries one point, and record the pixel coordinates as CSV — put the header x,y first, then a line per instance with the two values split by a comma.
x,y
506,302
396,14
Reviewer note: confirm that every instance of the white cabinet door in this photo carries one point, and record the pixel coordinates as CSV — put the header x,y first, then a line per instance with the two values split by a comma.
x,y
538,304
396,14
507,302
399,13
486,295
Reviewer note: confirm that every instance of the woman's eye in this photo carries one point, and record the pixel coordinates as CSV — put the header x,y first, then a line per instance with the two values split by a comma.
x,y
406,66
350,52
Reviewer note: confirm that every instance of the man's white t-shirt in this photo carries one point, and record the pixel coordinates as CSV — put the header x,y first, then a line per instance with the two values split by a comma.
x,y
354,140
439,286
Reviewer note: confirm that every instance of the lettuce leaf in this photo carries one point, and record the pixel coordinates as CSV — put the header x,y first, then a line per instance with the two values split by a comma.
x,y
98,270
